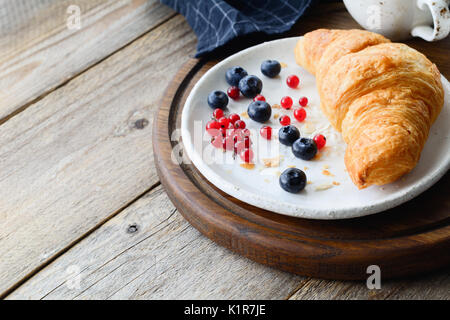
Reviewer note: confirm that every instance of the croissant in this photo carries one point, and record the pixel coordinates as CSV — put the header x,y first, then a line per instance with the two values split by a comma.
x,y
383,97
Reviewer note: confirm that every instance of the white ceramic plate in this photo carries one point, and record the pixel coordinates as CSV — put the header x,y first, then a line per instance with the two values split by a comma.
x,y
325,197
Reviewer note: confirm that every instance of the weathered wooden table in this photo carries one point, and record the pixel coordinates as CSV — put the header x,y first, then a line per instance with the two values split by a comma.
x,y
82,213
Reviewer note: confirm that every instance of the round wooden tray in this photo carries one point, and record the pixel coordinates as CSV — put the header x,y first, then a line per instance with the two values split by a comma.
x,y
412,238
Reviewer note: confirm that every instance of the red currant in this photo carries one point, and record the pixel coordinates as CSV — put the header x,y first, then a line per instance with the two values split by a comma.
x,y
245,133
231,132
233,92
239,124
217,141
292,81
300,114
247,142
266,132
320,141
212,127
234,117
259,97
237,137
247,155
239,147
303,101
286,102
218,113
228,143
285,120
224,122
228,131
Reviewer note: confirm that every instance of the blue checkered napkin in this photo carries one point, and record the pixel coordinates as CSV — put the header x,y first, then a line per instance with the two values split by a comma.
x,y
216,22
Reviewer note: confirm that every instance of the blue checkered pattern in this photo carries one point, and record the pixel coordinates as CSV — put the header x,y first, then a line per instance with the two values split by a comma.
x,y
216,22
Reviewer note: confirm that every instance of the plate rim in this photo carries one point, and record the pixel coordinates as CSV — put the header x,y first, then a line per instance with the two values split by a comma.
x,y
296,211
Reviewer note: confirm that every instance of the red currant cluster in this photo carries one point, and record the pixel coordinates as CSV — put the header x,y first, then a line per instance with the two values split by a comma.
x,y
230,134
286,103
299,113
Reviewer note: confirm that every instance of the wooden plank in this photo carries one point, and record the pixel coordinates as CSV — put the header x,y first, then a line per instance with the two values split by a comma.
x,y
149,251
39,52
432,287
165,258
83,152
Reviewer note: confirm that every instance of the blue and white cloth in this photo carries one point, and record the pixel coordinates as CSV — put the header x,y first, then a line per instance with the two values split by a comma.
x,y
216,22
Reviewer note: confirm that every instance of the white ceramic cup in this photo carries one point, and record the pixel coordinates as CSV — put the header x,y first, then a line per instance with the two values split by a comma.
x,y
401,19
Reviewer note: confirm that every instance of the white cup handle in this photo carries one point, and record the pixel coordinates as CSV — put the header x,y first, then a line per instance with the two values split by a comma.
x,y
441,19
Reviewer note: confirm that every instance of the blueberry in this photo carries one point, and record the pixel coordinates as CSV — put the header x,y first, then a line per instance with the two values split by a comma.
x,y
234,75
218,99
259,111
288,135
304,148
293,180
270,68
250,86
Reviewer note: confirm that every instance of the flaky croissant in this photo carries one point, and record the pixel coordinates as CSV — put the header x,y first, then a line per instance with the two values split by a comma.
x,y
383,97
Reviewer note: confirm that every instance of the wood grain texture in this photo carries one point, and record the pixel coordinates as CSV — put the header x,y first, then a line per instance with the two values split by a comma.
x,y
149,251
164,259
430,287
39,52
79,155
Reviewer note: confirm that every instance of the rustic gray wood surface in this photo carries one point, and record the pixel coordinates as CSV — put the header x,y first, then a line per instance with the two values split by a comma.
x,y
39,52
82,214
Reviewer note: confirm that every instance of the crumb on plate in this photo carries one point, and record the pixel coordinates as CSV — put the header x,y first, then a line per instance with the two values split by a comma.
x,y
271,162
245,115
309,127
248,166
324,187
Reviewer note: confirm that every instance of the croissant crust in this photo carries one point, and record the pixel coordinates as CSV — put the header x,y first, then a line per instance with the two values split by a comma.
x,y
383,97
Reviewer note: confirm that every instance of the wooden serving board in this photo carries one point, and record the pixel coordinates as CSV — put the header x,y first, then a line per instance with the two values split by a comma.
x,y
410,239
